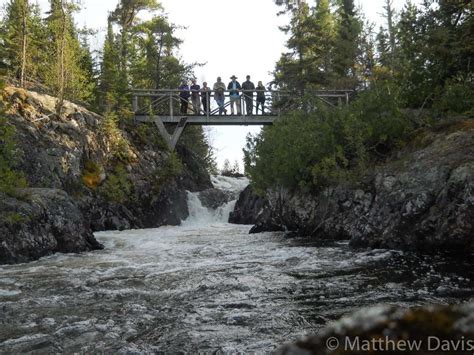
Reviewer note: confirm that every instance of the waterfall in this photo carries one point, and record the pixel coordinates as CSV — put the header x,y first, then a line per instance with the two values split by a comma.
x,y
200,215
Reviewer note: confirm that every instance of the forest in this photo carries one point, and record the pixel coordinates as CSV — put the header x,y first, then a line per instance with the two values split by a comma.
x,y
413,72
49,53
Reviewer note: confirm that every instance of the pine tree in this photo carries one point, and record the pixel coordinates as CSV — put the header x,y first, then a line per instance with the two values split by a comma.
x,y
226,169
65,75
109,72
347,43
21,37
125,16
156,42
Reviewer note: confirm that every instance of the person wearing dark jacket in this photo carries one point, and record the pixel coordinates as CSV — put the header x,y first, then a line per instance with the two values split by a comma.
x,y
248,88
234,95
261,97
184,95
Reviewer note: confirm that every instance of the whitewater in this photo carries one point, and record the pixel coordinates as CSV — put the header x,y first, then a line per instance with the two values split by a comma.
x,y
208,286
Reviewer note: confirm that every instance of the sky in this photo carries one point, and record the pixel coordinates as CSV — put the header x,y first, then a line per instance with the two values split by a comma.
x,y
233,37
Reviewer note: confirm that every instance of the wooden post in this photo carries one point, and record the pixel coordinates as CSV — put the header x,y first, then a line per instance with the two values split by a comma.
x,y
347,98
171,104
135,103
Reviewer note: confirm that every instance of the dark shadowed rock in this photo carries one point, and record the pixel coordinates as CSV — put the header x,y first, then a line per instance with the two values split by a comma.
x,y
437,330
247,208
214,198
41,222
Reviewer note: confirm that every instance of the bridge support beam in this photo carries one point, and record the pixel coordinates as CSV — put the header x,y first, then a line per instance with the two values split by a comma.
x,y
171,139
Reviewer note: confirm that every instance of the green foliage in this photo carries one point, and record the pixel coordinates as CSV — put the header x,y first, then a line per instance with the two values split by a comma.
x,y
324,47
67,73
117,187
21,36
195,141
457,97
9,178
171,169
13,218
118,146
311,151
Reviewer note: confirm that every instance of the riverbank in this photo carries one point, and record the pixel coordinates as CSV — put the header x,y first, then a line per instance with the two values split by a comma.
x,y
94,171
421,199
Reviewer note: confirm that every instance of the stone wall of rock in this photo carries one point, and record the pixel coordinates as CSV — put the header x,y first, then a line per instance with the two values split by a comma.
x,y
423,200
57,152
40,222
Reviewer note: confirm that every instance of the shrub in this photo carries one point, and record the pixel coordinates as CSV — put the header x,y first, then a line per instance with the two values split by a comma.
x,y
117,188
117,144
457,97
92,175
171,168
9,178
309,151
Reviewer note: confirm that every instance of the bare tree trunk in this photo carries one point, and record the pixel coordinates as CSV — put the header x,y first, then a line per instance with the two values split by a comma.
x,y
24,34
158,63
62,55
389,15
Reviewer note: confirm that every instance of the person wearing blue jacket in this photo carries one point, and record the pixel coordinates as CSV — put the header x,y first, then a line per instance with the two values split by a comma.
x,y
184,95
234,94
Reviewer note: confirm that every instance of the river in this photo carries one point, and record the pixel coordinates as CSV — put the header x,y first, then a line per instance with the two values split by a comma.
x,y
208,286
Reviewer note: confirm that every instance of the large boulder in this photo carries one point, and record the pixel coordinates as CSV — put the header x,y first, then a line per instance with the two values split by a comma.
x,y
214,198
388,329
248,207
40,222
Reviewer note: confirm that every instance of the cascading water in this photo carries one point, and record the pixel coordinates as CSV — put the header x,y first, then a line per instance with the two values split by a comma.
x,y
200,215
208,286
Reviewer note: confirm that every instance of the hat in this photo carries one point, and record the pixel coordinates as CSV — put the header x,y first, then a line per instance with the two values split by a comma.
x,y
233,77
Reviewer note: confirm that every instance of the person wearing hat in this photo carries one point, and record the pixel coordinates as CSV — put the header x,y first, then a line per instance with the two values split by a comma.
x,y
248,88
219,92
234,95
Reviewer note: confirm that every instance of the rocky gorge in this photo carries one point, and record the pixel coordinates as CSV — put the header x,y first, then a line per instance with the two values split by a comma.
x,y
422,200
86,175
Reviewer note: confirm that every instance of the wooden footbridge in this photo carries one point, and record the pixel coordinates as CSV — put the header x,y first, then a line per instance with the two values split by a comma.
x,y
164,109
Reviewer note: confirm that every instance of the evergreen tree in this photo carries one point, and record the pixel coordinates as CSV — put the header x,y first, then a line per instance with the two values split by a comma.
x,y
157,67
125,15
65,75
226,169
21,37
347,44
109,80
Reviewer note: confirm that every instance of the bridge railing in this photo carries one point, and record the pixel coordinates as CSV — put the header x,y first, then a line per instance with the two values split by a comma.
x,y
167,102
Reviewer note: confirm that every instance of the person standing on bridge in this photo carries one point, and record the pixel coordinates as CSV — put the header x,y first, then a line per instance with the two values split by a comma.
x,y
248,88
219,96
184,96
195,99
206,97
261,97
234,87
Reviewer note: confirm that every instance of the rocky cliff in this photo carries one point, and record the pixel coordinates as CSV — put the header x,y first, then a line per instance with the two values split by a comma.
x,y
116,178
422,199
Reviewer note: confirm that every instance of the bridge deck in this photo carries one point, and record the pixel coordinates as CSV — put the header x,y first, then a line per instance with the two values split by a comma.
x,y
224,120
